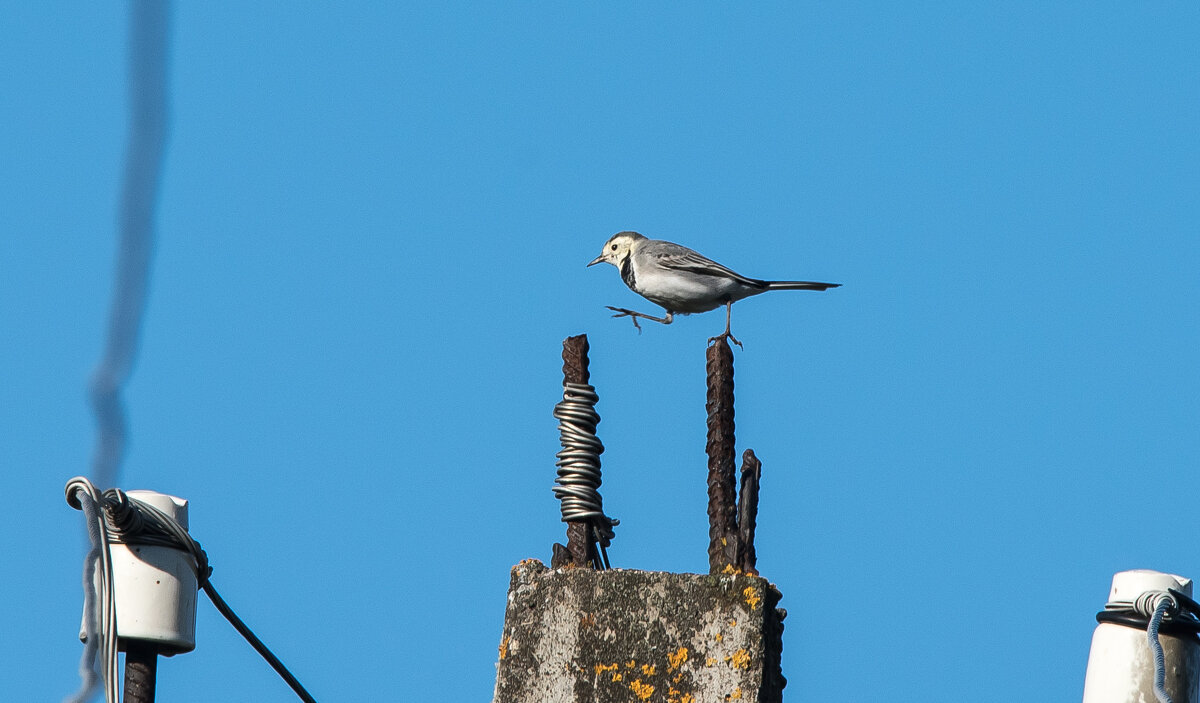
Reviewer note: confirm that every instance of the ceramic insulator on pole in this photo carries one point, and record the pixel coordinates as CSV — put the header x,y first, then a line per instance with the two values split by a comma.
x,y
1121,664
155,587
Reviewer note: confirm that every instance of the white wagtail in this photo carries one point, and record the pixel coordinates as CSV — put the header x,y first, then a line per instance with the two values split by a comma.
x,y
681,280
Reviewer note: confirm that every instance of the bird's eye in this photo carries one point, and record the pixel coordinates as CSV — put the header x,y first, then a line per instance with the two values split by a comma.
x,y
613,247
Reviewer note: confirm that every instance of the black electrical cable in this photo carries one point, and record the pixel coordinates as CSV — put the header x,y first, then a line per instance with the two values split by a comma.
x,y
1176,628
156,527
1185,602
1184,623
224,609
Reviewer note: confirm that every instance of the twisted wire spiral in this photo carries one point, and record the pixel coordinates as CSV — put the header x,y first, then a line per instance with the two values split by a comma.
x,y
578,482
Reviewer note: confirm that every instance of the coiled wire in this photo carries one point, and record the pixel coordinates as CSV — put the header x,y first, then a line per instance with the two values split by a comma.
x,y
1165,604
578,482
1171,612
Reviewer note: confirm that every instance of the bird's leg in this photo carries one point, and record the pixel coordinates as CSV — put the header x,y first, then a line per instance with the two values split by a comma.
x,y
622,312
727,334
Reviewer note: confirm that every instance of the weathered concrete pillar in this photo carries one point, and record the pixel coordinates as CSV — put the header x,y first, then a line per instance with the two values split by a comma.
x,y
575,635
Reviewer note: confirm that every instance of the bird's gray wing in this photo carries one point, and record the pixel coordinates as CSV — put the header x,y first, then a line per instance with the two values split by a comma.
x,y
674,256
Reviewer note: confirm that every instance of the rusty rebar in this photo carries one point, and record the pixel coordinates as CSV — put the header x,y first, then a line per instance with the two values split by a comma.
x,y
722,516
575,360
141,671
748,512
580,544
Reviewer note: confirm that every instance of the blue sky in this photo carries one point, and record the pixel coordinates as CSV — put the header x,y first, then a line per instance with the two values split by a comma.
x,y
373,227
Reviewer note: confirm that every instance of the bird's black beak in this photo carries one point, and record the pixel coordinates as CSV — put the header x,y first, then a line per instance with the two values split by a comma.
x,y
597,260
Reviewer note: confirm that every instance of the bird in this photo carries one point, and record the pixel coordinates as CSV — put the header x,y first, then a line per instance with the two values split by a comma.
x,y
681,280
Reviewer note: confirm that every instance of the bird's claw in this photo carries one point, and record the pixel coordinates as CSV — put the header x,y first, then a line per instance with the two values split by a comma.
x,y
622,312
726,335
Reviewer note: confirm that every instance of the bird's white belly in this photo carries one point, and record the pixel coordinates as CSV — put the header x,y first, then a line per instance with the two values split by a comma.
x,y
685,292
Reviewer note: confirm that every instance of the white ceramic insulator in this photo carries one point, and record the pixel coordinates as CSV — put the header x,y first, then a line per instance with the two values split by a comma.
x,y
1121,664
155,587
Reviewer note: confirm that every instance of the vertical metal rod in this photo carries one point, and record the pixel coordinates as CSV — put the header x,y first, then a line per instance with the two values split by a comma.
x,y
748,512
722,517
141,672
575,370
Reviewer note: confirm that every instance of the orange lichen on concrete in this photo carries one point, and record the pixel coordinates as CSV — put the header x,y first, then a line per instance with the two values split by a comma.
x,y
676,658
642,690
629,657
601,668
752,597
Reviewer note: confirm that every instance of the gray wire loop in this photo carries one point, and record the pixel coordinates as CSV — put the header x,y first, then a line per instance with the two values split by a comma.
x,y
1154,608
99,609
1166,604
578,483
131,521
1147,603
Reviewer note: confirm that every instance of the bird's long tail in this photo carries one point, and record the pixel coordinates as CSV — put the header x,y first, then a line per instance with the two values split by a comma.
x,y
799,285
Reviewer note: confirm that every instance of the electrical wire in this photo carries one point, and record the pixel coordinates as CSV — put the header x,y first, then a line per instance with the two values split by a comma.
x,y
1165,603
147,72
100,633
121,519
224,609
1170,612
144,148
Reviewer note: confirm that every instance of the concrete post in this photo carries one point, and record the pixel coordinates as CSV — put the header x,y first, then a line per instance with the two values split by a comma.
x,y
575,635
